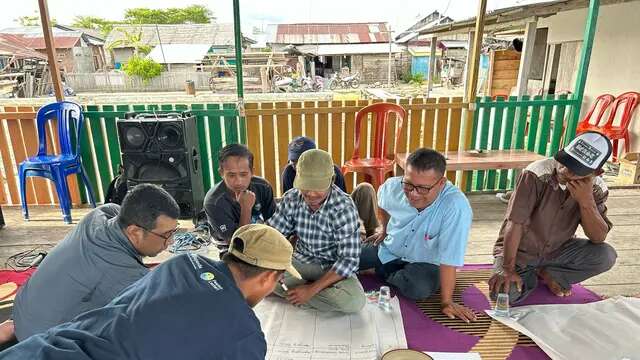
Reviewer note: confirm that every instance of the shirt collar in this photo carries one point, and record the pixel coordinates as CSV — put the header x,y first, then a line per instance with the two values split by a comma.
x,y
553,180
115,233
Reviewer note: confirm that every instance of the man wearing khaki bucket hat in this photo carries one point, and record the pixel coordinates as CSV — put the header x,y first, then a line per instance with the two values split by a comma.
x,y
189,307
324,222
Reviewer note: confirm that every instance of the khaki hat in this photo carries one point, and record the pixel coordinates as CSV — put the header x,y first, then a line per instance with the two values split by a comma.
x,y
264,247
314,171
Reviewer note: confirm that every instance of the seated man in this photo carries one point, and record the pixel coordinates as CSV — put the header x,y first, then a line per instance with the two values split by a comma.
x,y
100,257
537,238
189,307
240,198
364,195
324,221
425,226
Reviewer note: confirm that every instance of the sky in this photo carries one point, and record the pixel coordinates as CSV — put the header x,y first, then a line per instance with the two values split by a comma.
x,y
398,13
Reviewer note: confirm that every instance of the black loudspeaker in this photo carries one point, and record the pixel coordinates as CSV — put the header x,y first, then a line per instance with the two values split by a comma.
x,y
163,149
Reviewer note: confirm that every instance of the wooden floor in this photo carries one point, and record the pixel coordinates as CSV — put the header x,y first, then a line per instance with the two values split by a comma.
x,y
46,228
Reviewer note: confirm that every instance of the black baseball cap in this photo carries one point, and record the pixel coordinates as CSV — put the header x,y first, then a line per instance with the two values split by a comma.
x,y
587,153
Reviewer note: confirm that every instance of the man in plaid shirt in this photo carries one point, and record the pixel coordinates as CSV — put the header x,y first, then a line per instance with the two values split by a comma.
x,y
324,222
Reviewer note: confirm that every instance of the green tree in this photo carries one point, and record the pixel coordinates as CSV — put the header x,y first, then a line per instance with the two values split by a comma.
x,y
194,14
32,20
131,39
91,22
144,68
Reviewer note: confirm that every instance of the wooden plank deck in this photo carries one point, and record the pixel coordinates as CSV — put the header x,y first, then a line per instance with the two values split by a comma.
x,y
46,229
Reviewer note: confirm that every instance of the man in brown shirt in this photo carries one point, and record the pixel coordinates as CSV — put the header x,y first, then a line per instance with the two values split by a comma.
x,y
537,239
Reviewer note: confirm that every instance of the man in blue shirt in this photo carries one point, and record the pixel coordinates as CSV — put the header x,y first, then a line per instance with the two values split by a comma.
x,y
425,225
189,307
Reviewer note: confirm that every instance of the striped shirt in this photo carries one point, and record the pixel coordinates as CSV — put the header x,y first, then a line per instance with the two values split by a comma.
x,y
329,236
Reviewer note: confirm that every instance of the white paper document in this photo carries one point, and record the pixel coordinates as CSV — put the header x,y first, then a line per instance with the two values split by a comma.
x,y
295,334
453,356
608,329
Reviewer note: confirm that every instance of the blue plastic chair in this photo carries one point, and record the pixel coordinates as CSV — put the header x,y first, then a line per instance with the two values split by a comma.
x,y
56,167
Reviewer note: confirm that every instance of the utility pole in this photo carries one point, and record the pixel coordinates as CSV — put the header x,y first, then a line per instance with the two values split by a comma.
x,y
51,50
389,65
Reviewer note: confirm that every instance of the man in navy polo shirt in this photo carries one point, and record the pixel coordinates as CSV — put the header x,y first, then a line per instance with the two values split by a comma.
x,y
189,307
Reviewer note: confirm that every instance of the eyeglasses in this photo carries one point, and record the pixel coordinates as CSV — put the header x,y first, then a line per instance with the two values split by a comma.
x,y
166,236
420,189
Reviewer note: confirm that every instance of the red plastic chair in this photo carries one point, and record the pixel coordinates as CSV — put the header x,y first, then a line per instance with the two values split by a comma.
x,y
378,165
621,132
603,101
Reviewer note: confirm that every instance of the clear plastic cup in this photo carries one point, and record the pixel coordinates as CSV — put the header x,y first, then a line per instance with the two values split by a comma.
x,y
384,298
502,305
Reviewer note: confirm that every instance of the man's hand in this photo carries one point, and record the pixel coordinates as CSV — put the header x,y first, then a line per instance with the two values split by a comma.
x,y
246,199
376,238
503,280
582,190
453,310
301,294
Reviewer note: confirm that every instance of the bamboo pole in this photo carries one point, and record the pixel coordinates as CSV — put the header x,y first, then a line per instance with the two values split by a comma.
x,y
51,50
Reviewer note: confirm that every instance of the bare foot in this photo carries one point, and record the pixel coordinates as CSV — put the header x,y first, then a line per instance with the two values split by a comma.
x,y
553,286
7,332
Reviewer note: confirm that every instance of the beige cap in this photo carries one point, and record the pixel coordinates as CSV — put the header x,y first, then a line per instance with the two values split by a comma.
x,y
264,247
314,171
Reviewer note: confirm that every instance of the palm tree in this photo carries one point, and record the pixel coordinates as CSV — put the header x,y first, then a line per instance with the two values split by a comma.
x,y
131,39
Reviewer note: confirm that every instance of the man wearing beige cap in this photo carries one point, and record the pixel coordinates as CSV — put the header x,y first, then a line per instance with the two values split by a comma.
x,y
324,222
189,307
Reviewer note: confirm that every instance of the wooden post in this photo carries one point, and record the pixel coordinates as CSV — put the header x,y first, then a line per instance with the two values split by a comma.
x,y
238,47
472,87
51,50
583,70
475,56
432,65
526,57
467,79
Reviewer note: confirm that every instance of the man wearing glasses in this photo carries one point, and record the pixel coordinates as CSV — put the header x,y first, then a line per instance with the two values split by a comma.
x,y
101,256
324,220
189,307
425,224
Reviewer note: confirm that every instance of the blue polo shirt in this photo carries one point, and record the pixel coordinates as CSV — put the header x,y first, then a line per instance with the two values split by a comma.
x,y
187,308
435,235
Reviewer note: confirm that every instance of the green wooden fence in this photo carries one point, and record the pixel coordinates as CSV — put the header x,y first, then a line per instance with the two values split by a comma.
x,y
536,124
218,125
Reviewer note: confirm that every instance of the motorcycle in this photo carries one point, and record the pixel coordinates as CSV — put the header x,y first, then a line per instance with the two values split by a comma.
x,y
352,81
313,83
304,84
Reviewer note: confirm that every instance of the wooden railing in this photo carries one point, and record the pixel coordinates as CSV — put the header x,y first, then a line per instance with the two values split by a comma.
x,y
218,124
535,124
271,126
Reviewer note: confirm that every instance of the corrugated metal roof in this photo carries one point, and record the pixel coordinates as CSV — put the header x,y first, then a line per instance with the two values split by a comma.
x,y
212,34
15,45
514,17
350,49
179,53
60,42
329,33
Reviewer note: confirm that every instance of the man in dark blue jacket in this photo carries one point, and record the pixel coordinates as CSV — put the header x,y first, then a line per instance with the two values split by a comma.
x,y
189,307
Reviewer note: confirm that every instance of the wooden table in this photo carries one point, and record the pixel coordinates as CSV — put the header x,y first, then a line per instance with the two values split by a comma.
x,y
494,159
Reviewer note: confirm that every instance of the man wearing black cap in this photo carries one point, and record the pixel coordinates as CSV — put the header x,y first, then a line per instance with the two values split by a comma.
x,y
364,195
537,239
